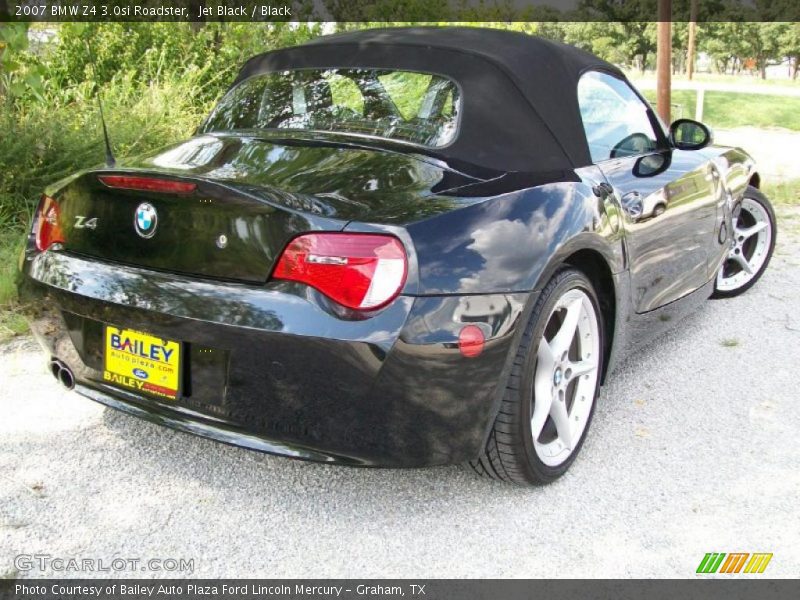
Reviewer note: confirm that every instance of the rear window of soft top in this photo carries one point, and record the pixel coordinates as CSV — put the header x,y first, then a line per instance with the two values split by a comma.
x,y
408,106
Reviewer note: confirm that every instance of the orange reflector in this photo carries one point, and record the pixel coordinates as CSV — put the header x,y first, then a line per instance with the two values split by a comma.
x,y
470,341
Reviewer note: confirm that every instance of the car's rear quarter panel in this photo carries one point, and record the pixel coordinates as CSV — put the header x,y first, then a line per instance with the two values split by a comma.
x,y
512,241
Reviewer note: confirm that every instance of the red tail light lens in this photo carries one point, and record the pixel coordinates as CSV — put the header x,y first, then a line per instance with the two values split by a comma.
x,y
147,184
48,224
359,271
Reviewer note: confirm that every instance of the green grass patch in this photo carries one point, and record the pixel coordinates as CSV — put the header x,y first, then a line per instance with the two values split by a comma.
x,y
11,243
726,110
683,102
784,192
12,322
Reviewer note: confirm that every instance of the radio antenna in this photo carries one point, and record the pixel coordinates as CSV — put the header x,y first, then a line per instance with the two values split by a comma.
x,y
110,161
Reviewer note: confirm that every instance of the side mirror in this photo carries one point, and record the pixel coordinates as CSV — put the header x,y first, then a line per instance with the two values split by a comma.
x,y
686,134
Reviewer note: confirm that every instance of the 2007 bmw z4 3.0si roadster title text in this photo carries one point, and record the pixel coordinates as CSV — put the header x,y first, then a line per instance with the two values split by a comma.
x,y
404,247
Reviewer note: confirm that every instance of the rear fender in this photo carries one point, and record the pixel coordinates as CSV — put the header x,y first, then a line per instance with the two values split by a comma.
x,y
513,242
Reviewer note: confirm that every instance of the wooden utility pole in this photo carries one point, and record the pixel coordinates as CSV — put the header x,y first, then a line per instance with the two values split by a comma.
x,y
690,51
664,60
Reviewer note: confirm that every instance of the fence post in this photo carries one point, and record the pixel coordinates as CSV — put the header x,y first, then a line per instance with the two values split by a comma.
x,y
701,97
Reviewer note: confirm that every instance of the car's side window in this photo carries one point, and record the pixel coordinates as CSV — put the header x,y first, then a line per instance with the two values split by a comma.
x,y
615,119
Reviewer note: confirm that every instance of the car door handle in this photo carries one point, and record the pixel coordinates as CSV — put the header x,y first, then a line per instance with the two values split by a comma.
x,y
601,190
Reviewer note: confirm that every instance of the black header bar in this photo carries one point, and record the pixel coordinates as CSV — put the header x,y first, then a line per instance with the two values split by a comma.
x,y
420,11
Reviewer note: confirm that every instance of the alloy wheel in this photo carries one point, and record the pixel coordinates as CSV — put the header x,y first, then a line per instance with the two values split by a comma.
x,y
752,238
565,378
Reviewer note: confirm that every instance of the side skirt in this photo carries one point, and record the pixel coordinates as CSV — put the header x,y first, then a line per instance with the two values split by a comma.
x,y
639,328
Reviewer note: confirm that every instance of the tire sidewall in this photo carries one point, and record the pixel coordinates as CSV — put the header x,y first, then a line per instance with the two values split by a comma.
x,y
570,279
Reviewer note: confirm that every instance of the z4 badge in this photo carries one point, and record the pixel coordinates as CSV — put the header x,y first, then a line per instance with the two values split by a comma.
x,y
82,222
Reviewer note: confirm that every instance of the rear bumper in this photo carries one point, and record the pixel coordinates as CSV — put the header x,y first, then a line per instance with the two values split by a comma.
x,y
274,368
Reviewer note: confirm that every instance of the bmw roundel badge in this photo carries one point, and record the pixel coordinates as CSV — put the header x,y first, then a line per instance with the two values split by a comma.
x,y
145,220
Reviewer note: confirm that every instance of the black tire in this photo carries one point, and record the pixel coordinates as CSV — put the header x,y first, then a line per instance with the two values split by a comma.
x,y
755,195
509,454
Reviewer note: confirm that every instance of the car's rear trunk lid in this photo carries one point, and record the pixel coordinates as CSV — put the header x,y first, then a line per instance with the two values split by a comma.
x,y
252,196
215,231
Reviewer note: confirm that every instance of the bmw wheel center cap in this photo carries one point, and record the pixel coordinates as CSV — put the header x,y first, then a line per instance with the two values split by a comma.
x,y
146,220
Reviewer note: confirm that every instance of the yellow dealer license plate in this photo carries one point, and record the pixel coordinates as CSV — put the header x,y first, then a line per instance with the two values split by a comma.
x,y
142,362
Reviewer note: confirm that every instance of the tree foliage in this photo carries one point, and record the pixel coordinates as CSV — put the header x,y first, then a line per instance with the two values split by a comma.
x,y
19,76
212,53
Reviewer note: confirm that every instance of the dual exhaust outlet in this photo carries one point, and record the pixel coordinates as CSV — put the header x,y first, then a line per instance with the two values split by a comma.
x,y
62,373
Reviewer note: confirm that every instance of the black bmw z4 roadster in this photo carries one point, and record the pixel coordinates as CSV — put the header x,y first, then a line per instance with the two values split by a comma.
x,y
398,247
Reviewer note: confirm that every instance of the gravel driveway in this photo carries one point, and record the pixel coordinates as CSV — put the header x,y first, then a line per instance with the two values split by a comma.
x,y
694,449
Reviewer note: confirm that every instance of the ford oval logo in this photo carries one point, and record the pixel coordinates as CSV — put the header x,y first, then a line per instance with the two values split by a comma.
x,y
146,220
140,373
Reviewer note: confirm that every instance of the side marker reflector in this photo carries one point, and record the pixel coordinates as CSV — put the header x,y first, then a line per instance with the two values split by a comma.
x,y
471,341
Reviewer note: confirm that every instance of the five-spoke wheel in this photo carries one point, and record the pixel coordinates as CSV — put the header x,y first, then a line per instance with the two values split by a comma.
x,y
550,396
751,245
565,378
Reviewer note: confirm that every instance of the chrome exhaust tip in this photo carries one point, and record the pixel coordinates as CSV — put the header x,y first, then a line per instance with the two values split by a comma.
x,y
55,367
62,373
66,378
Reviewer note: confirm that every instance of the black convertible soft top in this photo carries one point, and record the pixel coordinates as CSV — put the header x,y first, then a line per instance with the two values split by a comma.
x,y
519,92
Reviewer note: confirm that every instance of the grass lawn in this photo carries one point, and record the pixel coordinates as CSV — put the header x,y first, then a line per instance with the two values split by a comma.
x,y
683,103
749,80
785,192
726,110
11,320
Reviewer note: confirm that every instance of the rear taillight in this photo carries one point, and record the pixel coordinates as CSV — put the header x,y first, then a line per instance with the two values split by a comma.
x,y
147,184
359,271
48,225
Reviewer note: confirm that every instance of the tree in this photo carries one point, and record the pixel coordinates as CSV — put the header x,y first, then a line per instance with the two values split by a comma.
x,y
629,34
632,44
691,42
680,47
384,11
722,42
789,43
762,44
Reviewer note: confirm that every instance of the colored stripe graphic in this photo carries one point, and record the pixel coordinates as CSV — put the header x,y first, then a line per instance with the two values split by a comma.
x,y
713,562
734,562
710,562
758,562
